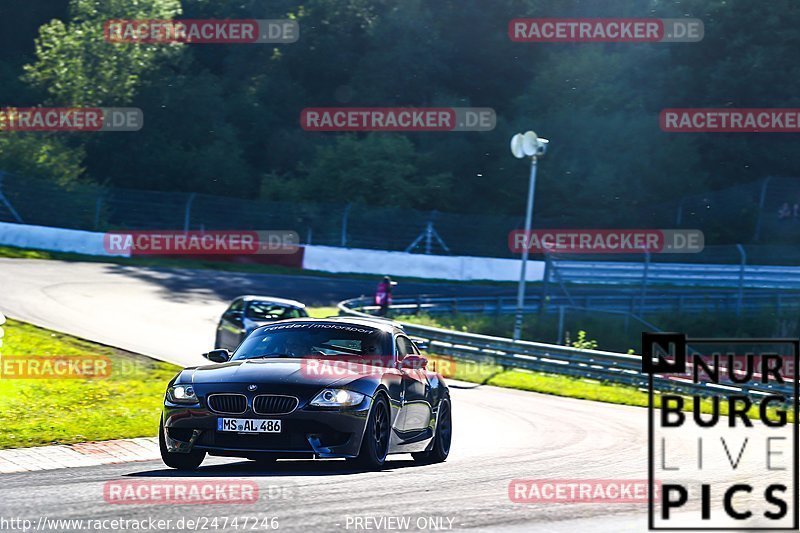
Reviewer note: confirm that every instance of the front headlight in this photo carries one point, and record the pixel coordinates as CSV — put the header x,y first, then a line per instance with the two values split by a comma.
x,y
337,398
182,394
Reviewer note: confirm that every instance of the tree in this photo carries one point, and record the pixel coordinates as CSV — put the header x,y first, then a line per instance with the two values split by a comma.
x,y
77,67
379,169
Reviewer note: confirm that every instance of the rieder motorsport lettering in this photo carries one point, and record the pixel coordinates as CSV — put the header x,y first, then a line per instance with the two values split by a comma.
x,y
318,326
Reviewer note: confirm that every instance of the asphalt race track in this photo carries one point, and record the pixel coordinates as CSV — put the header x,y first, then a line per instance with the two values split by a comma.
x,y
500,434
168,313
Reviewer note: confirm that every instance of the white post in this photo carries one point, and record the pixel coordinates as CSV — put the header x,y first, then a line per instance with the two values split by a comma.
x,y
525,251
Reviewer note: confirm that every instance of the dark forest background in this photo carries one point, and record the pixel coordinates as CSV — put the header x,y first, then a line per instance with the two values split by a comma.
x,y
224,119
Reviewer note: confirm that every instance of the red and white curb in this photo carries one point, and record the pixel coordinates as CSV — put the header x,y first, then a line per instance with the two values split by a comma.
x,y
75,455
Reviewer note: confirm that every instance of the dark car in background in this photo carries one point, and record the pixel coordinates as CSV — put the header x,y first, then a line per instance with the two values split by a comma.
x,y
248,312
342,387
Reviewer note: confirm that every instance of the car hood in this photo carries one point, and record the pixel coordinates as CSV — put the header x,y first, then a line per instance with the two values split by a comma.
x,y
284,372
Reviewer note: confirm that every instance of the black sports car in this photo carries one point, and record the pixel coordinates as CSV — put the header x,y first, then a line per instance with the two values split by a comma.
x,y
338,387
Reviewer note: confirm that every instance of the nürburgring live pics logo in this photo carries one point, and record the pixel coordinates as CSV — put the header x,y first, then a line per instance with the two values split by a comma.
x,y
724,444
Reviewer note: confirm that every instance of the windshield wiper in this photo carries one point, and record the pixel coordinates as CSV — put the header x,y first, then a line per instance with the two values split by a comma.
x,y
265,356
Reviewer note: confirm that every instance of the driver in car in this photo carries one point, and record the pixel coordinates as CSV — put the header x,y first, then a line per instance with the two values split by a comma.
x,y
296,347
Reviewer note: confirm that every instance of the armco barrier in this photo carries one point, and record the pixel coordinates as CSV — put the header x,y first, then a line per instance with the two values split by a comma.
x,y
680,274
555,359
663,300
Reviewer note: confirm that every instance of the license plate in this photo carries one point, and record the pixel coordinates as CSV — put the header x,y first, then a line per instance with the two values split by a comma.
x,y
248,425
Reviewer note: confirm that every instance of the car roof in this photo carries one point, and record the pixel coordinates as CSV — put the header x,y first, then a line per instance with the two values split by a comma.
x,y
381,324
271,299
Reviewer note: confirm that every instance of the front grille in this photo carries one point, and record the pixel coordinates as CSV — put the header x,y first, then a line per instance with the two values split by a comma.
x,y
233,404
273,404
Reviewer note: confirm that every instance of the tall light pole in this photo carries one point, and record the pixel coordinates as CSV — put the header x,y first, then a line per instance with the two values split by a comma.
x,y
526,145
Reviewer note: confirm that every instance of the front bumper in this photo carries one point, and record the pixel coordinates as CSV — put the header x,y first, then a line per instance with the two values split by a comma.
x,y
306,432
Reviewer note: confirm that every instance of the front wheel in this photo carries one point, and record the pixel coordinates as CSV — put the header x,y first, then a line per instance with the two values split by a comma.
x,y
180,461
375,446
442,438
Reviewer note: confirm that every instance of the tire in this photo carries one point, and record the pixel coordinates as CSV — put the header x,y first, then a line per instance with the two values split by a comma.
x,y
179,461
375,444
442,438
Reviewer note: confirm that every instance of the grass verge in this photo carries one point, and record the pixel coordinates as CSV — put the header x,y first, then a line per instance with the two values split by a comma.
x,y
35,412
322,312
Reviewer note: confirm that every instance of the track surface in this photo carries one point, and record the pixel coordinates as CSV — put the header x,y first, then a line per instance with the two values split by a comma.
x,y
500,434
168,313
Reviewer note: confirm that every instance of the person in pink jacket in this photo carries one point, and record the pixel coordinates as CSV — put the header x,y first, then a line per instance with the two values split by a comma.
x,y
383,294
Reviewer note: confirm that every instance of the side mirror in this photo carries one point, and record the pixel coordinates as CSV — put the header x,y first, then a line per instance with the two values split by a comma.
x,y
416,362
218,356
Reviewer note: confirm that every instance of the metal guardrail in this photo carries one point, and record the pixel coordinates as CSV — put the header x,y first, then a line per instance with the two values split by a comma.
x,y
613,300
555,359
681,274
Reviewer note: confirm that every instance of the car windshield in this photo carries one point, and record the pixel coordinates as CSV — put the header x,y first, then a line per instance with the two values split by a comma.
x,y
318,340
272,311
